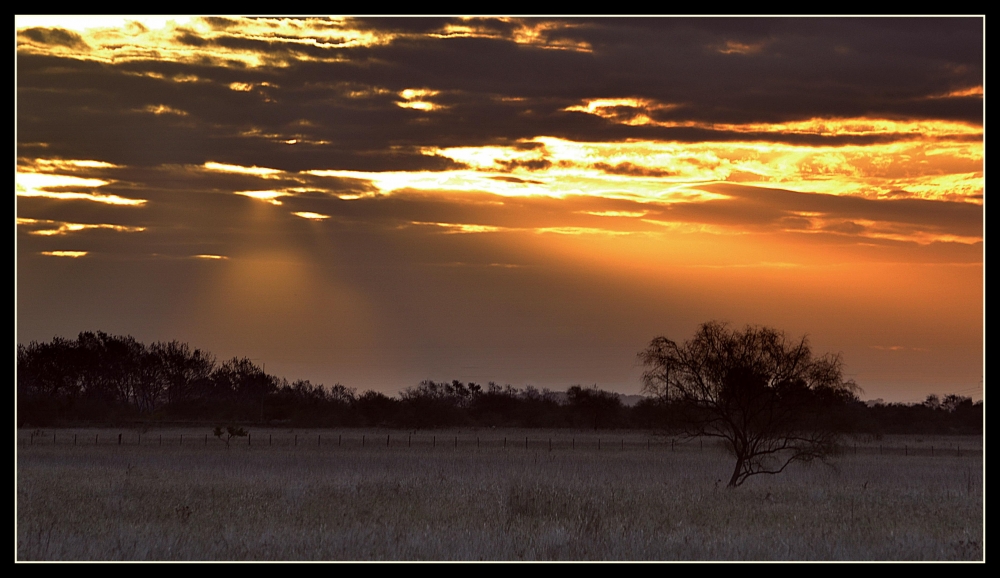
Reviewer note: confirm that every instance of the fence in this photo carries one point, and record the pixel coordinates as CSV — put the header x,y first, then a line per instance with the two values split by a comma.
x,y
454,442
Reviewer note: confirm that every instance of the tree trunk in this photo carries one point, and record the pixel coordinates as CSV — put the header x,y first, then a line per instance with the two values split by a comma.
x,y
734,481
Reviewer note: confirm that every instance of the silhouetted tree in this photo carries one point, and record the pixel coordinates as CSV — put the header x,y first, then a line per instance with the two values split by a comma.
x,y
653,413
431,404
111,367
342,394
241,378
497,406
242,387
49,381
761,393
182,369
376,408
229,432
596,406
539,408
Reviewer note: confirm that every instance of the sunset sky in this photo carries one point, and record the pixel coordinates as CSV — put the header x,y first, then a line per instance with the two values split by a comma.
x,y
379,201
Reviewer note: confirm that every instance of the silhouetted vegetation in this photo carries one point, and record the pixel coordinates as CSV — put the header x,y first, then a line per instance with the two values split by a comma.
x,y
100,378
228,433
767,397
594,406
954,415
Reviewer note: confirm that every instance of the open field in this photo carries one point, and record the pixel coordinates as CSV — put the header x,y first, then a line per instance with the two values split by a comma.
x,y
326,495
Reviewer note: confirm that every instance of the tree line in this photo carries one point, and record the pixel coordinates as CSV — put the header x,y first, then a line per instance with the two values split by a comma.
x,y
99,378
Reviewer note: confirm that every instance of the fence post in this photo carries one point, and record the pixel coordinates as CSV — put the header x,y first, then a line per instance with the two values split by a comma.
x,y
387,440
505,442
74,439
550,444
53,438
296,442
340,438
456,441
598,443
119,439
525,442
268,439
161,439
409,440
434,441
319,439
362,441
182,439
906,450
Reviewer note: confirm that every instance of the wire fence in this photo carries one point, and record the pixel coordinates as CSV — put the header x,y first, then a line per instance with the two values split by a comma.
x,y
455,442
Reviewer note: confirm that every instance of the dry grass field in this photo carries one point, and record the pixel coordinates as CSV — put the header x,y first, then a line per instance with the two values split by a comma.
x,y
322,495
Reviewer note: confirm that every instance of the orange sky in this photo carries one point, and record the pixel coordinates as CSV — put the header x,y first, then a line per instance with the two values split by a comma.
x,y
529,201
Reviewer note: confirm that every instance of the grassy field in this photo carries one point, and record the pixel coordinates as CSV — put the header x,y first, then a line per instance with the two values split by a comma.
x,y
328,495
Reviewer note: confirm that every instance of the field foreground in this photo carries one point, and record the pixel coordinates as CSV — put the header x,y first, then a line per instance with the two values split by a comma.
x,y
468,496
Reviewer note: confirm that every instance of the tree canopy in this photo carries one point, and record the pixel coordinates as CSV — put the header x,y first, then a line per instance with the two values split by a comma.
x,y
761,392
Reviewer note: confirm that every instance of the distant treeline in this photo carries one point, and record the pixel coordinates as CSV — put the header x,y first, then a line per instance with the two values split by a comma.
x,y
100,379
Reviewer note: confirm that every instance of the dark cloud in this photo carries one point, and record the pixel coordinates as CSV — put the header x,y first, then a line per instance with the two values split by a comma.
x,y
56,37
762,206
220,23
497,91
369,291
190,38
631,169
531,165
846,227
516,180
422,25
